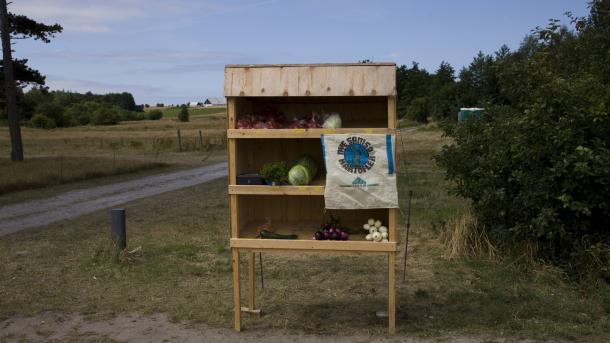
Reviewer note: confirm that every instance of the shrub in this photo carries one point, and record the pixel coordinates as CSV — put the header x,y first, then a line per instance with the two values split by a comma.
x,y
155,114
418,110
105,115
184,113
42,122
126,115
540,175
53,111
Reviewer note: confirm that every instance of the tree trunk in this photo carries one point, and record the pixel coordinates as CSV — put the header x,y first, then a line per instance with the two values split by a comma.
x,y
9,82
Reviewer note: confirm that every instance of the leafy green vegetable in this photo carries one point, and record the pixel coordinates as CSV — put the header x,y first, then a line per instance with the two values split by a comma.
x,y
275,172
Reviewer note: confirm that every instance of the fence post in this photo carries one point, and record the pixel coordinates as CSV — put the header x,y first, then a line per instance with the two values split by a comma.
x,y
179,141
61,168
119,230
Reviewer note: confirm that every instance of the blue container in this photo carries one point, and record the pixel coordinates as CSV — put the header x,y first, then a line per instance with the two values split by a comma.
x,y
467,112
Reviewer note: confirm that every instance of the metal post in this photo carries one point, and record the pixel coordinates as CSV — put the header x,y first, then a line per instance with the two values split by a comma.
x,y
119,230
179,140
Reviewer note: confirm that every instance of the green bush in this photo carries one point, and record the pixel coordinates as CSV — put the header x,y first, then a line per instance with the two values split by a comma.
x,y
42,122
53,111
184,113
418,110
541,176
105,115
155,114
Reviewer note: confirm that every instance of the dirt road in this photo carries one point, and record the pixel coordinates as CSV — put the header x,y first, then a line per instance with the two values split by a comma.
x,y
76,203
135,328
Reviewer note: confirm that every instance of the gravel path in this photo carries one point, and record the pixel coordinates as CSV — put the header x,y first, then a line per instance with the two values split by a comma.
x,y
135,328
76,203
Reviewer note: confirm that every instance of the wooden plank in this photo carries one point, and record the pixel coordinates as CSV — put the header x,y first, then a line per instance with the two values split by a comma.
x,y
232,152
392,225
317,252
228,66
236,290
392,293
300,133
276,190
272,244
231,113
392,112
251,264
234,213
310,80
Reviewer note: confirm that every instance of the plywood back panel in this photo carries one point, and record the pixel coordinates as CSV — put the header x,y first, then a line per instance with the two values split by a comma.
x,y
311,80
252,154
356,112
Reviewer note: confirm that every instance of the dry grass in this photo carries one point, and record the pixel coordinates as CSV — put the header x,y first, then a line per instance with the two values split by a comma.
x,y
69,154
46,171
128,137
464,238
184,270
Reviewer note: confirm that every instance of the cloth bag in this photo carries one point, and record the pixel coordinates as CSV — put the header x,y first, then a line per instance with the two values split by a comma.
x,y
359,171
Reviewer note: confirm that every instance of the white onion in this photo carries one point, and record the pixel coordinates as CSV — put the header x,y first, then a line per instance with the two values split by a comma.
x,y
377,237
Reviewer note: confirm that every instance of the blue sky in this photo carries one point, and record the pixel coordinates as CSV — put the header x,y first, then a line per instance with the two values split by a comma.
x,y
175,51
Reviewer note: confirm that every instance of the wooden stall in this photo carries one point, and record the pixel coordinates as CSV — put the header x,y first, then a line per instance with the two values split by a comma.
x,y
364,95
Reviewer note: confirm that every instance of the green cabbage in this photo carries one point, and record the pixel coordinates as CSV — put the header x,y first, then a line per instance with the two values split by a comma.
x,y
303,171
299,175
333,121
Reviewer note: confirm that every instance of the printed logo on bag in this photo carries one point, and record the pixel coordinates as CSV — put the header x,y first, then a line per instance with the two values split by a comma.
x,y
358,155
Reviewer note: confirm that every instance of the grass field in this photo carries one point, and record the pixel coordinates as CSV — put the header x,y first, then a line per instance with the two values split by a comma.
x,y
76,153
184,270
171,112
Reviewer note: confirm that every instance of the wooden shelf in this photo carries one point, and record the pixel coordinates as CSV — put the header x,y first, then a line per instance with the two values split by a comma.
x,y
300,133
316,188
304,230
313,245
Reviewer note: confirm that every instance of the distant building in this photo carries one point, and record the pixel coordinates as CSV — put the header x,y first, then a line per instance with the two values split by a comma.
x,y
215,102
195,104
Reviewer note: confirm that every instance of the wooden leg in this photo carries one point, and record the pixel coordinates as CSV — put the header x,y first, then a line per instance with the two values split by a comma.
x,y
236,290
392,293
251,264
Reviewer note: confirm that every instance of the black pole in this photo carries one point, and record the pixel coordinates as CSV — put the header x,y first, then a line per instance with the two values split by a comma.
x,y
404,267
119,231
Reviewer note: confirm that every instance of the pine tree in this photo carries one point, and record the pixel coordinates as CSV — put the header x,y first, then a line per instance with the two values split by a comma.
x,y
16,73
184,113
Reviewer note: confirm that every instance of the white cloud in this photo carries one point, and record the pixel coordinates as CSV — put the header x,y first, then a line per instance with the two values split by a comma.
x,y
79,16
57,82
100,16
145,56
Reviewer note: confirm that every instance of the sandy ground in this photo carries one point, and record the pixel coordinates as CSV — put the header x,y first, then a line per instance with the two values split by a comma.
x,y
76,203
61,327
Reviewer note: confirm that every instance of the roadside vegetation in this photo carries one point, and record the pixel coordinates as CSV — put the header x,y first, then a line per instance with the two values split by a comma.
x,y
173,112
535,164
47,171
178,262
65,155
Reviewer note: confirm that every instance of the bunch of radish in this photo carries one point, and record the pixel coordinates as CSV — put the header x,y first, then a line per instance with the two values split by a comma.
x,y
376,231
268,119
307,122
